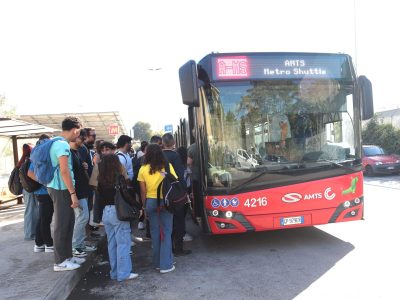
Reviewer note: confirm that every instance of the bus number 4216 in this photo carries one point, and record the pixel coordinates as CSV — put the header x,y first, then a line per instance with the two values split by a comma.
x,y
256,202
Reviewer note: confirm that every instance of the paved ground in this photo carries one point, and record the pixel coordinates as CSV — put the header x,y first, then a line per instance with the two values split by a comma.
x,y
352,260
356,260
25,274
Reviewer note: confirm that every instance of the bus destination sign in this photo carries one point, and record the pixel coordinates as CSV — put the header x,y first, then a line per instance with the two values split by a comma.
x,y
279,67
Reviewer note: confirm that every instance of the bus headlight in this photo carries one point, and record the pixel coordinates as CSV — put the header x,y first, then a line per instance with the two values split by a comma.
x,y
346,204
215,213
228,214
357,201
222,225
378,163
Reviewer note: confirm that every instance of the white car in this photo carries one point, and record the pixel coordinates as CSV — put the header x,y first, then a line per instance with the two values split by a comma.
x,y
244,160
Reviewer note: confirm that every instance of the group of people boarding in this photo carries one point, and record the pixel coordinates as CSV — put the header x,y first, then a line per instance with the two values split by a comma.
x,y
84,173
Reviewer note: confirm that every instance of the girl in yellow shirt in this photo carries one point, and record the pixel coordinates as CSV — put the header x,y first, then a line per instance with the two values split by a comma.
x,y
150,176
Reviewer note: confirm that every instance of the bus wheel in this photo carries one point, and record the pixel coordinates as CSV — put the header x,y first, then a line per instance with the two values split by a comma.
x,y
369,171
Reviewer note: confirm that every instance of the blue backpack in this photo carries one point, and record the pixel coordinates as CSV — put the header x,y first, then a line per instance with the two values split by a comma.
x,y
42,166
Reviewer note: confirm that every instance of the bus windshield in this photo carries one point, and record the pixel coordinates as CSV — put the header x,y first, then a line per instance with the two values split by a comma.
x,y
277,127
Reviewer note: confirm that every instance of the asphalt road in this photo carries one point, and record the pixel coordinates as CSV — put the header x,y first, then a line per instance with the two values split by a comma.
x,y
351,260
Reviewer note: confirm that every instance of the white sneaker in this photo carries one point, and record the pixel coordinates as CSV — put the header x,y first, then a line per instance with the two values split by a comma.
x,y
174,263
168,270
37,248
49,249
133,244
141,226
132,276
187,238
77,260
66,265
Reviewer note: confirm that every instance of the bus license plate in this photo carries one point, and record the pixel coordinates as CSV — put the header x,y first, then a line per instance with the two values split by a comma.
x,y
292,221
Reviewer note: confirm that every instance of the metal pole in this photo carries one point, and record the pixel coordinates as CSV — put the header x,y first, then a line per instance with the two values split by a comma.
x,y
15,149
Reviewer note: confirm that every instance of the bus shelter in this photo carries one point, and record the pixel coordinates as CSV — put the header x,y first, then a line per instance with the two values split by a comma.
x,y
16,130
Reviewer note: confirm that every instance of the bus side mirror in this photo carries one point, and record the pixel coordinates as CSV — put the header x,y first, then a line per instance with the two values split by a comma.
x,y
189,86
367,102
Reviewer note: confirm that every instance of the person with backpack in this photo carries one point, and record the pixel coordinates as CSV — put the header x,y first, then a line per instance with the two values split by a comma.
x,y
31,214
43,240
179,226
118,232
151,175
124,145
62,191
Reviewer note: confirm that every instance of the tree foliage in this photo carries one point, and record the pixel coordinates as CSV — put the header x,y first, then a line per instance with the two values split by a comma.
x,y
384,135
142,131
6,110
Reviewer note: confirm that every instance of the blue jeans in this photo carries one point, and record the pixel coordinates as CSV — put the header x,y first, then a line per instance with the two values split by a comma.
x,y
31,215
161,231
119,244
81,219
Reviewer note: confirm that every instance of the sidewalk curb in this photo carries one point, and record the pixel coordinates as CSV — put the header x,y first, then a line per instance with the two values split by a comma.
x,y
66,284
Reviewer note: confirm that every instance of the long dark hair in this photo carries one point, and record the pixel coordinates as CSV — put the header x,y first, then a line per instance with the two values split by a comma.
x,y
109,168
155,158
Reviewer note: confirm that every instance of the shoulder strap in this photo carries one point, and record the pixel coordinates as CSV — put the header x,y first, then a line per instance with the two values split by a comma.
x,y
159,193
121,154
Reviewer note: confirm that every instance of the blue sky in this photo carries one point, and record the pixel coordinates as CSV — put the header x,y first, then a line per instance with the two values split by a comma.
x,y
70,56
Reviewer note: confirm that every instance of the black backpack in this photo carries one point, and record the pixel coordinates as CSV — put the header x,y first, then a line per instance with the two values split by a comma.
x,y
174,193
14,185
136,165
28,183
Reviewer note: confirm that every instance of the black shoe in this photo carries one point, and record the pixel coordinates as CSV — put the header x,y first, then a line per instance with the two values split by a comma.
x,y
182,252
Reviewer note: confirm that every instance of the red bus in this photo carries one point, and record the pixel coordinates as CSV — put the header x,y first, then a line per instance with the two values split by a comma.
x,y
277,139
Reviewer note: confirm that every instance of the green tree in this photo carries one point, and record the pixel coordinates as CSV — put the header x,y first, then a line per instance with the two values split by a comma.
x,y
384,135
142,131
6,110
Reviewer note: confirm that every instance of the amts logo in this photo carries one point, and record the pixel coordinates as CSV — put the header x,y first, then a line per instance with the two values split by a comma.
x,y
296,197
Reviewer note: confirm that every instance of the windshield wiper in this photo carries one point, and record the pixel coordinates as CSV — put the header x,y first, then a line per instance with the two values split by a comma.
x,y
266,171
232,191
337,164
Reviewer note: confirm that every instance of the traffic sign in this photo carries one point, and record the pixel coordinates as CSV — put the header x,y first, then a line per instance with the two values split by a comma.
x,y
168,128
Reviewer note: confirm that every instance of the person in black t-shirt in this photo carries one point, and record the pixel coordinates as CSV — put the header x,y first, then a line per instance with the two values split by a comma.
x,y
82,191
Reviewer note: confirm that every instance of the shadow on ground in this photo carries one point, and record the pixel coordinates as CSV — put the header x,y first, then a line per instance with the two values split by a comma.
x,y
266,265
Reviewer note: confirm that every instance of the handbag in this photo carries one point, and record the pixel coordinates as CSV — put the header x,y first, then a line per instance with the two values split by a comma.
x,y
125,211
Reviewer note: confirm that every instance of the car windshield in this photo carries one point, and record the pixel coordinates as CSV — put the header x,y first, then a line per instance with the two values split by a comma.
x,y
277,126
373,151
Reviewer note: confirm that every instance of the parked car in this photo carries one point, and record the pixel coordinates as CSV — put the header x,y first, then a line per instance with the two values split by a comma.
x,y
376,160
244,160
